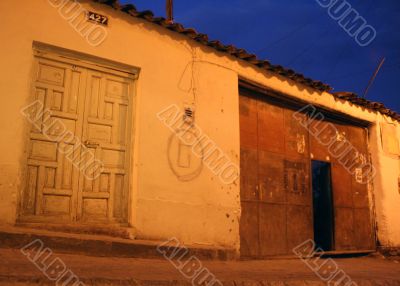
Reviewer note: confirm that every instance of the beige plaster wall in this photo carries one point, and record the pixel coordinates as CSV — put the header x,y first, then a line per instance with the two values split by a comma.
x,y
386,186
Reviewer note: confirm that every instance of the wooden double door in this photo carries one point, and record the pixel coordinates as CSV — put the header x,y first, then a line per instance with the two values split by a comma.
x,y
79,143
276,190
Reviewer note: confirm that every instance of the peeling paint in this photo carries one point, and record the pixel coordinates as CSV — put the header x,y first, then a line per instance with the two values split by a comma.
x,y
301,143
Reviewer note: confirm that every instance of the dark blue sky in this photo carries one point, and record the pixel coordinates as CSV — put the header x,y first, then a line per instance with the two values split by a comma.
x,y
299,34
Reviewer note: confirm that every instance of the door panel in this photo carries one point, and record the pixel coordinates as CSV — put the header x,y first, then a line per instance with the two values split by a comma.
x,y
270,170
359,187
270,128
350,196
249,245
249,180
319,131
249,229
358,137
52,182
105,134
297,182
272,229
341,182
276,149
274,175
248,123
360,194
344,229
363,237
94,107
300,225
296,135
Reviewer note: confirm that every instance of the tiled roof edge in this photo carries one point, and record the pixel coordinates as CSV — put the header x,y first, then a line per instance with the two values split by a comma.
x,y
251,58
371,105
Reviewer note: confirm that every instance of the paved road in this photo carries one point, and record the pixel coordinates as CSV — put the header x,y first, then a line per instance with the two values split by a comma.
x,y
16,269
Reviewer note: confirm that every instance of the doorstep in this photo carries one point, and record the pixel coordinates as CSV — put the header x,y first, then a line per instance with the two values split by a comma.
x,y
101,245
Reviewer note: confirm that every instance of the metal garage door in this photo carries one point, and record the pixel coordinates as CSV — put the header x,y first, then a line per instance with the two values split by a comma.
x,y
276,187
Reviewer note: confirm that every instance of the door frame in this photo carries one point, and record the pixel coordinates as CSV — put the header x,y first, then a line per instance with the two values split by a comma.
x,y
62,55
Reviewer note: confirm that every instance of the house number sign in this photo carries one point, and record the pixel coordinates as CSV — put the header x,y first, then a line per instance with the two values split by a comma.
x,y
97,18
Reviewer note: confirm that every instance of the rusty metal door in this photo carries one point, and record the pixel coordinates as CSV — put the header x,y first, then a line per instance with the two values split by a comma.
x,y
352,217
297,181
249,233
364,238
275,181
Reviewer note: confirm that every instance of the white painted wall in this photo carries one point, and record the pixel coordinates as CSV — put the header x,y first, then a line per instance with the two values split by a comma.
x,y
386,186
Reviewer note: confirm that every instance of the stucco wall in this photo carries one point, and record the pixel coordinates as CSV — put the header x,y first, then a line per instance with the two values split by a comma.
x,y
205,210
386,186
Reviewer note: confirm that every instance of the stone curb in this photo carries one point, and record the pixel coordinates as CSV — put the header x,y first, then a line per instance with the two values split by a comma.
x,y
106,248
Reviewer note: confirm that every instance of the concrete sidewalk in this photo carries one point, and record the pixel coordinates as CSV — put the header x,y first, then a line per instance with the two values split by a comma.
x,y
16,269
101,245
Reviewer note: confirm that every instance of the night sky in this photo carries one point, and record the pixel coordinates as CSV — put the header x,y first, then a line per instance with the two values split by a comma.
x,y
299,34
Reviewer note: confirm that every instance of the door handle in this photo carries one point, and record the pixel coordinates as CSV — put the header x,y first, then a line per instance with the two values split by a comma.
x,y
91,144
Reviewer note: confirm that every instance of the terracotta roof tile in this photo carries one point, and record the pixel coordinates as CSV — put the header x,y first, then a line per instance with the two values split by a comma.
x,y
244,55
376,106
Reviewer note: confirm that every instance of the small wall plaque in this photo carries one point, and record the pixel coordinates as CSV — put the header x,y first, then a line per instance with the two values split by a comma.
x,y
97,18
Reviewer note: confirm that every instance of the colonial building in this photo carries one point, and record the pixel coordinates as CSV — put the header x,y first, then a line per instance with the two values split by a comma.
x,y
117,122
